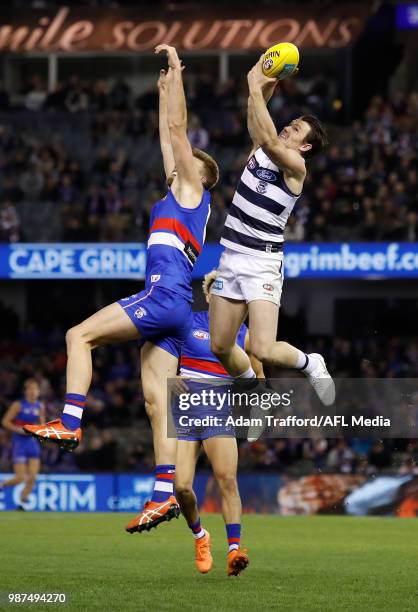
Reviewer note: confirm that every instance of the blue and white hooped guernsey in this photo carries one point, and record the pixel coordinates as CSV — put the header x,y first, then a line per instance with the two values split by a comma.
x,y
260,209
175,241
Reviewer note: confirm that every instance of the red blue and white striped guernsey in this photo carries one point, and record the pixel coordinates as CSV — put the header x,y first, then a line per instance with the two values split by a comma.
x,y
176,239
197,360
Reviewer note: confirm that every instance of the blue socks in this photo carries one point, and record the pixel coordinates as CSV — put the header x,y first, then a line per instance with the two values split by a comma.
x,y
73,410
164,483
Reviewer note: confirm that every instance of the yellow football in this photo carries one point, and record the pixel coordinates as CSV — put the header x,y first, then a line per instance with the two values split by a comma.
x,y
281,61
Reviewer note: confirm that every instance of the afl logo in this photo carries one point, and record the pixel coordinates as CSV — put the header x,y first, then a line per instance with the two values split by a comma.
x,y
268,287
268,64
265,175
201,335
140,312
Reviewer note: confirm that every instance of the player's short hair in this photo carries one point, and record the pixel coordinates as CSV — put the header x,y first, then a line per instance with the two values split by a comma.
x,y
210,165
208,281
30,381
317,135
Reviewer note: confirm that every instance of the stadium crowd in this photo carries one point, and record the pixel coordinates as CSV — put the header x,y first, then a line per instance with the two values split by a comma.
x,y
117,434
82,163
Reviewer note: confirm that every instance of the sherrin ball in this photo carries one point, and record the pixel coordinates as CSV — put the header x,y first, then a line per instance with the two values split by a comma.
x,y
281,60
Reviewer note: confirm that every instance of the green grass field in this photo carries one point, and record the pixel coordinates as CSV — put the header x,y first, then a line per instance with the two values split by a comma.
x,y
296,563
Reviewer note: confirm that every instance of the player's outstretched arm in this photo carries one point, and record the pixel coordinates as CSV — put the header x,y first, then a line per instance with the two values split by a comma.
x,y
165,140
9,417
264,129
267,91
187,174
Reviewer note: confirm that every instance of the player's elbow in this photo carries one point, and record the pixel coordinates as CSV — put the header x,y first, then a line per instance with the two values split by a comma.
x,y
177,127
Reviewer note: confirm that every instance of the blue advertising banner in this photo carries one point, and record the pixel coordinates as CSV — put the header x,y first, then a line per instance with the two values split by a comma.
x,y
78,260
129,492
359,260
407,16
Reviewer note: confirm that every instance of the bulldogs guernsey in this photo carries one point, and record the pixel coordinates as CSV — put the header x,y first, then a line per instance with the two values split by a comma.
x,y
197,360
29,414
176,238
25,447
260,209
162,312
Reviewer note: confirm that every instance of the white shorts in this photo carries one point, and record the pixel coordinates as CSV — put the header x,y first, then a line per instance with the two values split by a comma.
x,y
247,277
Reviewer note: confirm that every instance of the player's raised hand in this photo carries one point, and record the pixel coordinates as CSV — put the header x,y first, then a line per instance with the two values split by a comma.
x,y
257,79
172,57
164,79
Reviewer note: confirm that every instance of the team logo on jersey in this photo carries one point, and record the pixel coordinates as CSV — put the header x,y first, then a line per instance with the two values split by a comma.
x,y
140,312
261,187
266,175
252,163
268,287
218,284
191,252
200,334
155,278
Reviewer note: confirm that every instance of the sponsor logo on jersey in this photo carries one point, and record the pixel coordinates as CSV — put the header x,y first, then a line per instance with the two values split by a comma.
x,y
201,335
140,312
155,278
218,284
252,163
268,287
265,175
261,187
191,252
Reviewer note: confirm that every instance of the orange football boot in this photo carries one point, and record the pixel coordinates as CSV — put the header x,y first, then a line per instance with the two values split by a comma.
x,y
54,431
203,556
153,514
237,562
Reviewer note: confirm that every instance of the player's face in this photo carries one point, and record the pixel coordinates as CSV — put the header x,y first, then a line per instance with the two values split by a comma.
x,y
295,134
32,391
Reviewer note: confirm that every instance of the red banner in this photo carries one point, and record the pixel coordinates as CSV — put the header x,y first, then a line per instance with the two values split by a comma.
x,y
78,30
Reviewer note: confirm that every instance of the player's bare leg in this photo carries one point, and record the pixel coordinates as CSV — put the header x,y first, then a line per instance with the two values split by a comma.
x,y
157,365
226,317
20,473
32,471
223,455
108,325
263,317
187,454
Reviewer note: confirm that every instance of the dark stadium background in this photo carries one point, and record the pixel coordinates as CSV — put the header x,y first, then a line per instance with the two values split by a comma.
x,y
80,163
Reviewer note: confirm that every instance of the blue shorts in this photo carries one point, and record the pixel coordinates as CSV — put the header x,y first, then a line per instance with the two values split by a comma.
x,y
202,422
25,448
161,316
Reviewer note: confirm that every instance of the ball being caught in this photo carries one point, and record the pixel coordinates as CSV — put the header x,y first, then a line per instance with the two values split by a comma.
x,y
281,60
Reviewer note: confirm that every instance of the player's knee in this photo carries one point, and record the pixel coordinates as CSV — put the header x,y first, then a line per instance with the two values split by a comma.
x,y
227,482
219,346
75,335
261,351
184,488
